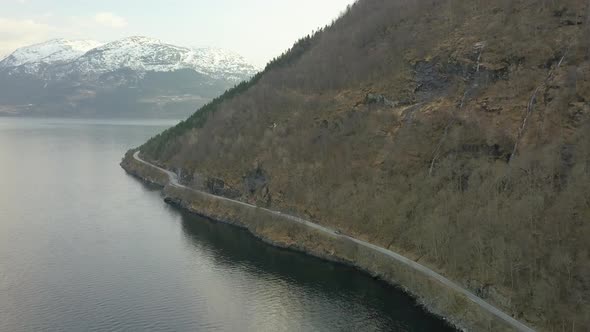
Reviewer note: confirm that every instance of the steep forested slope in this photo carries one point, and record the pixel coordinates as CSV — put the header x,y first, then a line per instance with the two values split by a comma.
x,y
455,131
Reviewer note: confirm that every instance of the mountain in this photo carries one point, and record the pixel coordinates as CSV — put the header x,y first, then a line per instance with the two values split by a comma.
x,y
131,77
457,132
143,54
51,52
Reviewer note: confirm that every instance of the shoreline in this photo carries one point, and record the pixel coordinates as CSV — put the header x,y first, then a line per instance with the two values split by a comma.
x,y
434,292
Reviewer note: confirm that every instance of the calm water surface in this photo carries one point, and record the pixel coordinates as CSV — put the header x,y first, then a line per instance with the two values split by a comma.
x,y
85,247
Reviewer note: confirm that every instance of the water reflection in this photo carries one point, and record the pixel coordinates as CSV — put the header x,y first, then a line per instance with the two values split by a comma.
x,y
293,291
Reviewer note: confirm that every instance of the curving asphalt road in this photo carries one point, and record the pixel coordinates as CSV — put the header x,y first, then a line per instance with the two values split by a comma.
x,y
402,259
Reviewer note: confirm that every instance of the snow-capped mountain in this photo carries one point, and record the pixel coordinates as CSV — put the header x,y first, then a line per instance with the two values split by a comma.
x,y
55,51
144,54
60,58
134,74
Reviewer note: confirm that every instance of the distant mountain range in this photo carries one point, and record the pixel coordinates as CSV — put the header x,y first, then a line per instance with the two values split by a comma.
x,y
131,77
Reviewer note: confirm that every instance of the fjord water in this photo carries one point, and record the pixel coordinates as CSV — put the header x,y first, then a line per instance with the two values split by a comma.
x,y
86,247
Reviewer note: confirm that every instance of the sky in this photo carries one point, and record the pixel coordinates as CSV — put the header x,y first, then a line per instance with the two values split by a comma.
x,y
257,29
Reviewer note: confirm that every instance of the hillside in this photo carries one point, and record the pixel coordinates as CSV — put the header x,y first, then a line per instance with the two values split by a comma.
x,y
456,132
131,77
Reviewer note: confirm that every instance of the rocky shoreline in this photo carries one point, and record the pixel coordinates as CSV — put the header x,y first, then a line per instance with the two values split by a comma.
x,y
278,231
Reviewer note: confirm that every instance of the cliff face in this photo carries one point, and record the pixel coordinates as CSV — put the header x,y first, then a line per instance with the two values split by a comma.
x,y
454,131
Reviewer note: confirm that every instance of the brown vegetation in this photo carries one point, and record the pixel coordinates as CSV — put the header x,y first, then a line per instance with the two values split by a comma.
x,y
397,124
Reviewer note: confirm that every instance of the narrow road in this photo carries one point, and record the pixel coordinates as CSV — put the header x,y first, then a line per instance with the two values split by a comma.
x,y
402,259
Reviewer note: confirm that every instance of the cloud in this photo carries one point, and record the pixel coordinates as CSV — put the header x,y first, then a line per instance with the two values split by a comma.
x,y
15,33
110,20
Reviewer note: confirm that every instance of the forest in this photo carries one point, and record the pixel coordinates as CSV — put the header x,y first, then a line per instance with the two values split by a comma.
x,y
456,132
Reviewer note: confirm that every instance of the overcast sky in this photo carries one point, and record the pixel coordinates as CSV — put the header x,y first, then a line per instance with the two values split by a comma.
x,y
257,29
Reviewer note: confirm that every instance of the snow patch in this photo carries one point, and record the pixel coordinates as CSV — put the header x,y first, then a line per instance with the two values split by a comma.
x,y
56,50
141,54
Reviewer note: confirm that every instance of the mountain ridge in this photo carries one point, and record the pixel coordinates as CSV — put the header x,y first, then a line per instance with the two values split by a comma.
x,y
137,53
51,51
135,76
